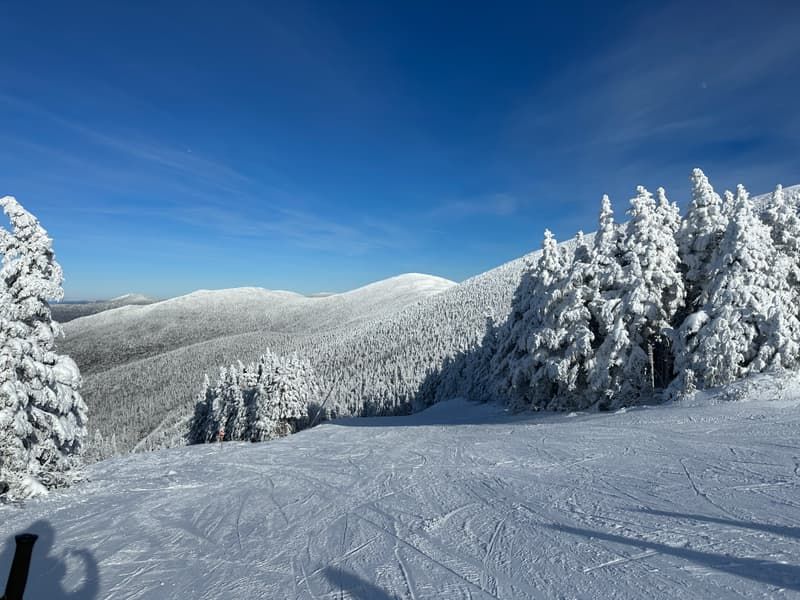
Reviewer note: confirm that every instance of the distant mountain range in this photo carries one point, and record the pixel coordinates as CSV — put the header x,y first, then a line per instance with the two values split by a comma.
x,y
72,309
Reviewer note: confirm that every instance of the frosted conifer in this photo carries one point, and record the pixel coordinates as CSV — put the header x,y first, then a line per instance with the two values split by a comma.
x,y
725,340
42,415
700,234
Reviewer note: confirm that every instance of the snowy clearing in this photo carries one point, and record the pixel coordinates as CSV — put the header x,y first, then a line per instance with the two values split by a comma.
x,y
460,501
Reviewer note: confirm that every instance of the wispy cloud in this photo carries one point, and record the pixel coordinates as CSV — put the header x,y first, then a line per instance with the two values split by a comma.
x,y
668,91
205,193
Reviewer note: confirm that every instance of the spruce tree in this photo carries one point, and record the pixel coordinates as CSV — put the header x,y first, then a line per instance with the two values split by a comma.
x,y
570,331
42,414
700,235
726,339
654,288
611,336
531,334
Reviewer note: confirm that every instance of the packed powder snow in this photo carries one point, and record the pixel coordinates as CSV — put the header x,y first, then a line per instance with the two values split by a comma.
x,y
460,501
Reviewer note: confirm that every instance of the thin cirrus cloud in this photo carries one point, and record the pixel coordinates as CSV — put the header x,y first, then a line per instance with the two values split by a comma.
x,y
208,193
668,94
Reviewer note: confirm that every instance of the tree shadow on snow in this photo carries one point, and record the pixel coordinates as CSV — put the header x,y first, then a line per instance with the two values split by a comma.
x,y
761,571
355,586
782,530
68,574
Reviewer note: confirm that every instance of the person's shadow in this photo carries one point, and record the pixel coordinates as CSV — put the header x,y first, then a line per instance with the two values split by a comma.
x,y
67,575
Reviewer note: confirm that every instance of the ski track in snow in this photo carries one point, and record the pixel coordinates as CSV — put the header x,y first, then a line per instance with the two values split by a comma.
x,y
461,501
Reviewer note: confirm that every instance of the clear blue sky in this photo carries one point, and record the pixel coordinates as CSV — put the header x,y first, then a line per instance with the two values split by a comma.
x,y
317,146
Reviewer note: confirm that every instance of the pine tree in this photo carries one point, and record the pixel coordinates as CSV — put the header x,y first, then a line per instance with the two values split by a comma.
x,y
668,212
725,341
569,323
700,235
42,415
654,288
783,336
611,337
531,338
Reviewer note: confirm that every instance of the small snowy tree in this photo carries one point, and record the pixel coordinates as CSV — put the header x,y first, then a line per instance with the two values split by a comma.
x,y
42,415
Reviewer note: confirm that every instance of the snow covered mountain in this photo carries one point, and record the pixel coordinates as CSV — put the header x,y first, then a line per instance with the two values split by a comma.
x,y
142,362
460,501
67,311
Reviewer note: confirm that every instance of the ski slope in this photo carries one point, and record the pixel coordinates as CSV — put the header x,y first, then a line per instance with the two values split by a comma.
x,y
460,501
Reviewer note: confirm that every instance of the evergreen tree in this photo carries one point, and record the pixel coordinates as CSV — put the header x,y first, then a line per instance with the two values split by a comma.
x,y
726,340
569,334
783,337
668,212
42,415
611,337
699,237
531,341
653,291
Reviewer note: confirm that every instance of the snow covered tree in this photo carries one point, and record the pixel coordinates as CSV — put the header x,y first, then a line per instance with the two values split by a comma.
x,y
522,361
611,338
783,337
257,402
290,387
42,415
200,424
654,288
784,223
568,334
669,212
727,339
699,237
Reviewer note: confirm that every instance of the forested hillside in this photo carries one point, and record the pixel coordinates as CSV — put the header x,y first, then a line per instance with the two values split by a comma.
x,y
141,363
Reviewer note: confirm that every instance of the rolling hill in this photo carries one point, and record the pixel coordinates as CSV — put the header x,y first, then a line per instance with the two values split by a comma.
x,y
141,362
67,311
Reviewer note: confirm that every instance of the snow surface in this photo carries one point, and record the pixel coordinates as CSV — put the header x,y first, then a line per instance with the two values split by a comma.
x,y
698,500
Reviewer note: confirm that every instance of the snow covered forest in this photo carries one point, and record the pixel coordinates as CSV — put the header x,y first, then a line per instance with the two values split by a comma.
x,y
643,310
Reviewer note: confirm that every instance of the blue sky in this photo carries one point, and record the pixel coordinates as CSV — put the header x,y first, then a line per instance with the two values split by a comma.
x,y
318,146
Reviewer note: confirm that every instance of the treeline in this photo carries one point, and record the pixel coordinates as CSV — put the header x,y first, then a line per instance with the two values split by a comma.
x,y
660,303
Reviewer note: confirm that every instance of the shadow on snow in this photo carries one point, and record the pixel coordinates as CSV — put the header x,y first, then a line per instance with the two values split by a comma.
x,y
756,569
52,574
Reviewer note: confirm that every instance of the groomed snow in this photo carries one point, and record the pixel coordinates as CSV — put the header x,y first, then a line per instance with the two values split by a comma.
x,y
460,501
